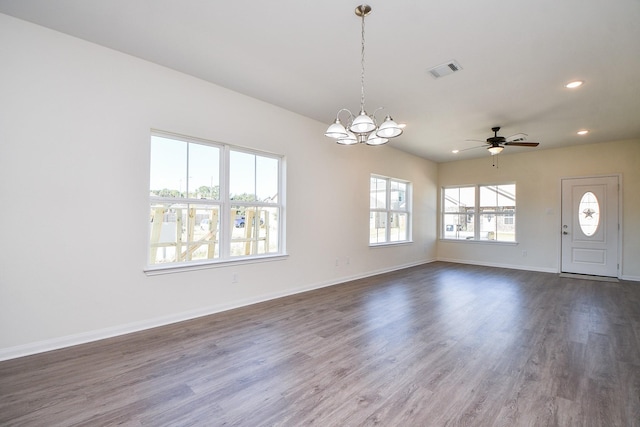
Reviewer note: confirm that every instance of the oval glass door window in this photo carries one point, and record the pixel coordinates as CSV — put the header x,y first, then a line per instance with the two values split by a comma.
x,y
589,213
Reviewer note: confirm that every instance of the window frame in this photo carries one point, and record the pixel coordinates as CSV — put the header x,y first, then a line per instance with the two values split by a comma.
x,y
477,211
224,205
389,211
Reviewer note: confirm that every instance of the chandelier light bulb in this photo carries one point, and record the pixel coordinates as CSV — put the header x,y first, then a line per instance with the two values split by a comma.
x,y
349,139
389,128
374,139
362,124
336,130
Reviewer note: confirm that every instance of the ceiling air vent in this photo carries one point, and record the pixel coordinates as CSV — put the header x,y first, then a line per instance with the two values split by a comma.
x,y
445,69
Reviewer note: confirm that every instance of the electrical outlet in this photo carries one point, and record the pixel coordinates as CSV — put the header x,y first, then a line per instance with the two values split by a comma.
x,y
234,278
524,253
337,262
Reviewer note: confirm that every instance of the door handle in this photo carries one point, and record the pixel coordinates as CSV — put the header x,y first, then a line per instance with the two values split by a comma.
x,y
564,232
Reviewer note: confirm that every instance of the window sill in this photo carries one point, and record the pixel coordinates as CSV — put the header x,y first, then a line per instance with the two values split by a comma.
x,y
488,242
386,245
178,268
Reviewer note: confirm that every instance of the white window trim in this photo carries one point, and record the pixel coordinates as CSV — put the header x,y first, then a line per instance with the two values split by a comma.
x,y
389,211
158,269
476,216
224,239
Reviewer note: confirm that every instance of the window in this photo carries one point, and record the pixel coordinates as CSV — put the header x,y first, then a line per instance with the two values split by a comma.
x,y
389,210
458,212
479,212
589,214
212,202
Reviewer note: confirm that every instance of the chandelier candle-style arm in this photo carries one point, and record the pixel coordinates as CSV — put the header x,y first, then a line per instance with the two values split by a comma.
x,y
337,129
363,128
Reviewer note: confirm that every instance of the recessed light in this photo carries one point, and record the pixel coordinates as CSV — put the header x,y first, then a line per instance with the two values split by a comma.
x,y
583,132
574,84
455,151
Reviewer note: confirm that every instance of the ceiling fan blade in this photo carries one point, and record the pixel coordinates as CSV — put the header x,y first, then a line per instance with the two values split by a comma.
x,y
476,140
473,148
523,144
517,137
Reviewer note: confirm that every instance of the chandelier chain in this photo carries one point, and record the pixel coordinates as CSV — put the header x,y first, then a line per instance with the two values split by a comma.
x,y
362,67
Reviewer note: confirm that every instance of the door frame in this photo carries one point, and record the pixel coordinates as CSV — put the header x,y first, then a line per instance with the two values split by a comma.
x,y
620,218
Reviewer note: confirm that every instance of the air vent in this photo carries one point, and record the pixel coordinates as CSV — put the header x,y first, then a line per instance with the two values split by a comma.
x,y
445,69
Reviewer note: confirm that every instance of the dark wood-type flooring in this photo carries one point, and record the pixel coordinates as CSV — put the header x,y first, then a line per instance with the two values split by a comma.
x,y
436,345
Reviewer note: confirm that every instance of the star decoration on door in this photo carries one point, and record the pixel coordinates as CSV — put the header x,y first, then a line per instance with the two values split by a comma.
x,y
588,213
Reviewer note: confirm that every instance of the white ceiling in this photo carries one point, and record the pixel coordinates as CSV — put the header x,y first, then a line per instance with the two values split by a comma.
x,y
516,57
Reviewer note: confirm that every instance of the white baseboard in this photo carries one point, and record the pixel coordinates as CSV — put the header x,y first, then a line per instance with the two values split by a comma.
x,y
522,267
100,334
499,265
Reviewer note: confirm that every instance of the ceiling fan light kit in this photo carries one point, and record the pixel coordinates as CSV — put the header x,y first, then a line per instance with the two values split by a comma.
x,y
498,143
363,128
495,149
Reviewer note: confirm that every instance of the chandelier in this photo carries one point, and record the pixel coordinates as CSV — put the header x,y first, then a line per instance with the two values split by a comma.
x,y
362,128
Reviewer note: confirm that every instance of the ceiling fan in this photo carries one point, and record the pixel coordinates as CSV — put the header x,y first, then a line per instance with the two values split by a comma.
x,y
497,143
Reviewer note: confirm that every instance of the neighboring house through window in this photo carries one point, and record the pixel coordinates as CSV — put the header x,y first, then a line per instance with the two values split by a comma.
x,y
479,212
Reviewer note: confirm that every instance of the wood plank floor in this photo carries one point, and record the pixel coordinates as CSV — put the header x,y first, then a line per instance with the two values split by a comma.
x,y
437,345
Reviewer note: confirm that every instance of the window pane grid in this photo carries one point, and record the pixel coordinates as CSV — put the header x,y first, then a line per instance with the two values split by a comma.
x,y
183,232
459,199
191,194
254,230
495,221
389,211
378,193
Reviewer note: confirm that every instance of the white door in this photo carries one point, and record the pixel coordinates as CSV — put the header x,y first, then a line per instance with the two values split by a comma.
x,y
590,226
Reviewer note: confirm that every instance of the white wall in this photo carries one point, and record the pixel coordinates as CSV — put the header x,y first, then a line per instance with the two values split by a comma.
x,y
75,120
538,175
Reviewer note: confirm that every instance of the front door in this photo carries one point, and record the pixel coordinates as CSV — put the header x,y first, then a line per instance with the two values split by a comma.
x,y
590,226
